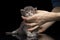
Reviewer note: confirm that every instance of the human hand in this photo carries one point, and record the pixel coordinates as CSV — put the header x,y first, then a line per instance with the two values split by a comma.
x,y
37,19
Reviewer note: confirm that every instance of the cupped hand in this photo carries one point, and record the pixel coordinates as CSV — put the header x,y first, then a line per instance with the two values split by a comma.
x,y
37,19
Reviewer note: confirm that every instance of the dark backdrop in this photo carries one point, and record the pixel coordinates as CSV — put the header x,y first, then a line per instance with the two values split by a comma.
x,y
11,17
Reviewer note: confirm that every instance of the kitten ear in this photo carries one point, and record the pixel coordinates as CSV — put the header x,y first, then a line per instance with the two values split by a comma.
x,y
35,8
22,10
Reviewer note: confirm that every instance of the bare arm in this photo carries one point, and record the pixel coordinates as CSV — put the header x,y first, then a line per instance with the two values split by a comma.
x,y
41,17
48,24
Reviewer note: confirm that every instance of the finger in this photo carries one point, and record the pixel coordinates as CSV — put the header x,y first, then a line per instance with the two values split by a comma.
x,y
25,18
33,28
31,24
29,18
40,31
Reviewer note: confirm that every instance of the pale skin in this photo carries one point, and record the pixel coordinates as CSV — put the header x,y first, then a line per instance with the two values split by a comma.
x,y
43,21
48,24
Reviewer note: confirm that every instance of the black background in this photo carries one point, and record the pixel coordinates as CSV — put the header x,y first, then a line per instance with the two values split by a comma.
x,y
11,17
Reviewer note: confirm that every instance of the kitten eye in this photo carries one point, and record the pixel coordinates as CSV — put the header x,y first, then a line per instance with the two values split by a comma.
x,y
26,12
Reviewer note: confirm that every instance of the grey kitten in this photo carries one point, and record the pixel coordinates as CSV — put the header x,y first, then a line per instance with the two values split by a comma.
x,y
29,11
19,33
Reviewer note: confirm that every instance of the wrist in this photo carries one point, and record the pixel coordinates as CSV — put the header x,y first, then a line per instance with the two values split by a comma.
x,y
55,16
58,15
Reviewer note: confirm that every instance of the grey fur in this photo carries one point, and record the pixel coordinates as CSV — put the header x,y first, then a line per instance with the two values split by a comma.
x,y
27,11
22,33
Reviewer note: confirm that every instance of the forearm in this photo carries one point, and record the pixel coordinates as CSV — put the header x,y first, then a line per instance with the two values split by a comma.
x,y
56,10
52,16
46,17
48,24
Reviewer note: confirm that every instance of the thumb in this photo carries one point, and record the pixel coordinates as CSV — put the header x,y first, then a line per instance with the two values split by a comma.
x,y
25,18
29,18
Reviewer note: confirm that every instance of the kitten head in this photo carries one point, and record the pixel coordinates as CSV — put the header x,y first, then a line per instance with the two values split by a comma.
x,y
28,11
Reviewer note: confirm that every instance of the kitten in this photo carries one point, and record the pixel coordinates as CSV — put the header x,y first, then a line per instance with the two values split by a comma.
x,y
27,11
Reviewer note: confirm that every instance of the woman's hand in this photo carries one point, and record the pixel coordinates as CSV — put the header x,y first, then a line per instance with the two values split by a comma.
x,y
37,19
